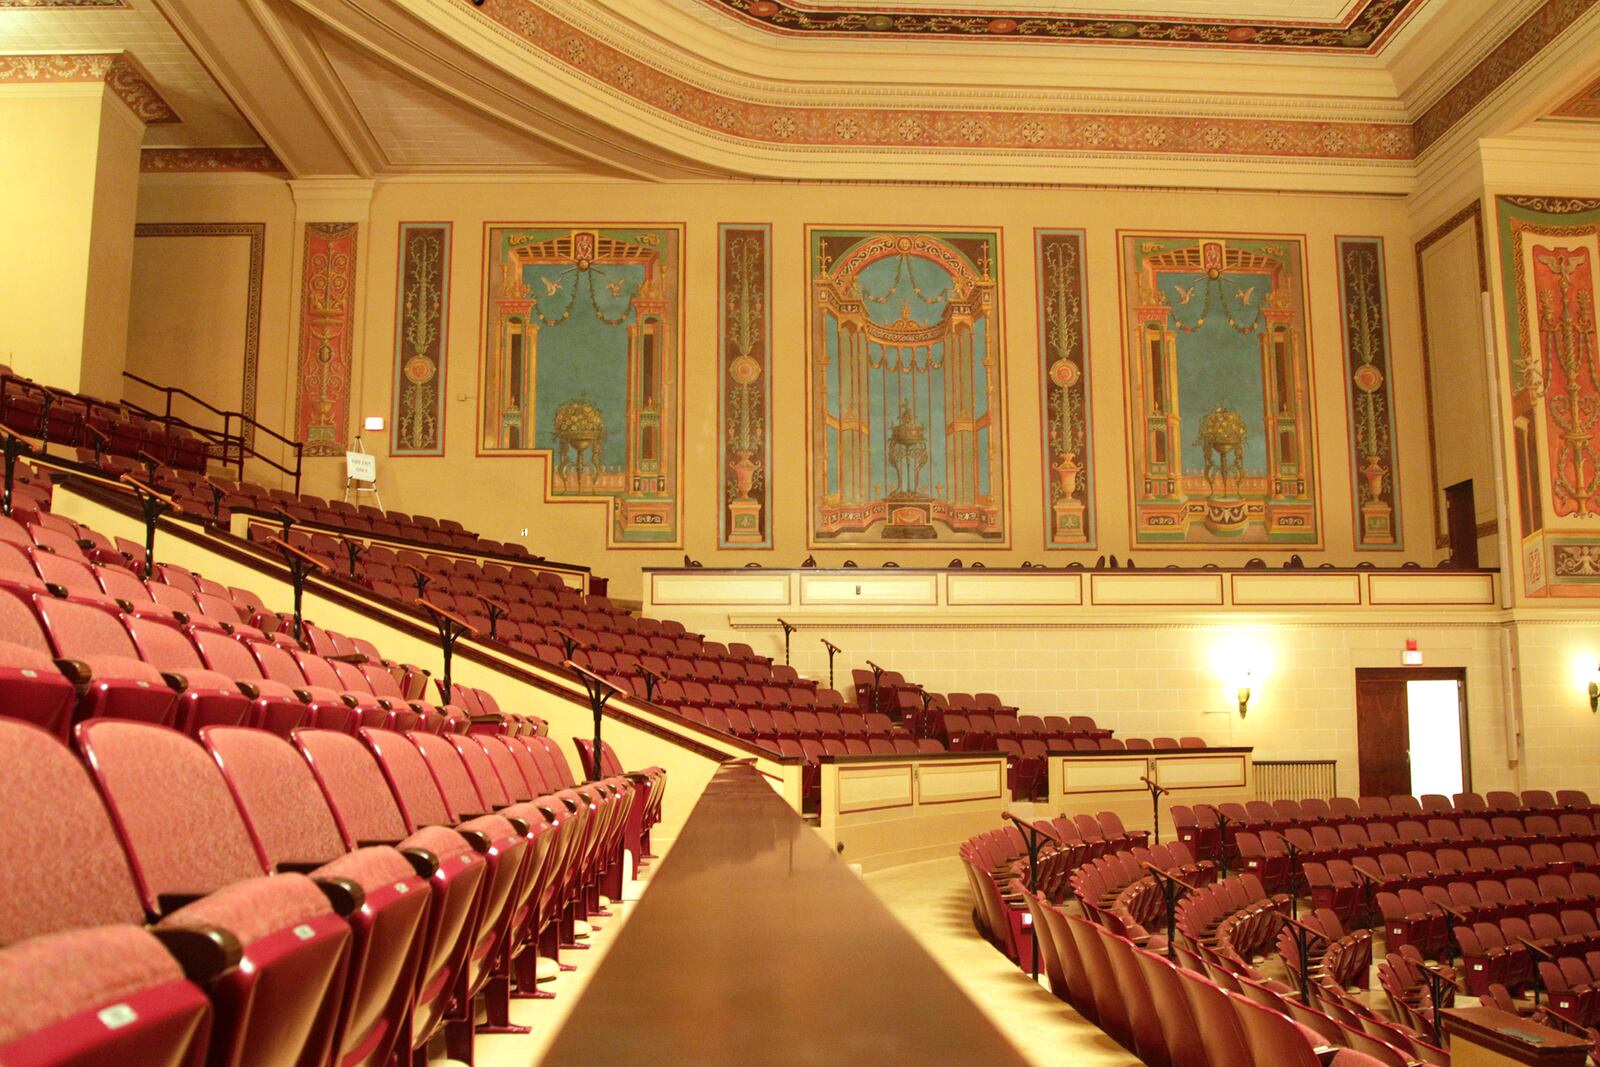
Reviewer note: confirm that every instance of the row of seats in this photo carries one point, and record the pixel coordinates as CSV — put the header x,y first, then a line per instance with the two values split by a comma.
x,y
97,426
1504,951
325,898
1206,825
1170,1016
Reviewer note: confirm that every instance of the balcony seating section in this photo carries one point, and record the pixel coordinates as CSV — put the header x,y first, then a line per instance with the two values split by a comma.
x,y
387,869
101,428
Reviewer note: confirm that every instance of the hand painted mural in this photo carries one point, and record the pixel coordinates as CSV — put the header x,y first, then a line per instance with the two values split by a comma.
x,y
745,270
1364,300
1064,392
327,337
1221,439
1548,252
581,362
906,376
421,321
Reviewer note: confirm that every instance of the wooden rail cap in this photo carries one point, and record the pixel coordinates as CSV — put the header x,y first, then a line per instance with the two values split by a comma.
x,y
1514,1038
446,613
768,951
306,557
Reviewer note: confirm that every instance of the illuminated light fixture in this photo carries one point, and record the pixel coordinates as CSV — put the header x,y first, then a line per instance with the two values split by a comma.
x,y
1244,694
1594,691
372,422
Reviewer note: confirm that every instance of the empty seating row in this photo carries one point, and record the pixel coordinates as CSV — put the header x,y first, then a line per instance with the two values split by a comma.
x,y
332,898
74,419
1170,1016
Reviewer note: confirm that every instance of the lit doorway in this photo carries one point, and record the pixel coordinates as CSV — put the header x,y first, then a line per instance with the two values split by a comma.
x,y
1411,731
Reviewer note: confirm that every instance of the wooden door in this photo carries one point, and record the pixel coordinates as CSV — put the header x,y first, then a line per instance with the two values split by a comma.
x,y
1383,727
1461,520
1383,733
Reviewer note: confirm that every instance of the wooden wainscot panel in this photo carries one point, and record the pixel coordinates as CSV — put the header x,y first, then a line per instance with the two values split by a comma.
x,y
731,590
869,587
1465,588
1007,590
1222,771
874,787
1264,590
956,781
1149,590
1102,774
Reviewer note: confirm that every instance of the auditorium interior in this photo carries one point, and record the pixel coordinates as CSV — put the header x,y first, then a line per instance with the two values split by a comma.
x,y
1062,535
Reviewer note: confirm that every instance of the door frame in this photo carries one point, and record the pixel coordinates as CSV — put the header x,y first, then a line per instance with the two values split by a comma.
x,y
1428,674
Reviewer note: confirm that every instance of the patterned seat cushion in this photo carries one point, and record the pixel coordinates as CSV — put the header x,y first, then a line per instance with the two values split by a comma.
x,y
369,868
253,909
44,980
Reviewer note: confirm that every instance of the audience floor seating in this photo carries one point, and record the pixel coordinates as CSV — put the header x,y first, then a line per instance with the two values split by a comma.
x,y
249,850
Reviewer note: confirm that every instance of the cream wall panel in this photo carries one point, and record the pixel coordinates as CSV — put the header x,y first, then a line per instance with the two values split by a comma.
x,y
1441,589
946,782
1000,590
874,787
869,588
1143,590
1104,773
730,590
1278,590
1202,772
1458,378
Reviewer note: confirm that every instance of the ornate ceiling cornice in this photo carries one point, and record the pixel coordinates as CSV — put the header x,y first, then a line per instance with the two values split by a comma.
x,y
1584,104
1498,67
51,5
623,70
117,70
533,25
247,160
1364,31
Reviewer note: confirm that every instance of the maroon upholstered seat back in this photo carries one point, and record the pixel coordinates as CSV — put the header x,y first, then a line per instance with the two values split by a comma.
x,y
171,807
74,873
288,815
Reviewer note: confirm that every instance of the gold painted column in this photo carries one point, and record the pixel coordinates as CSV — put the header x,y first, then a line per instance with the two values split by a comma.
x,y
69,165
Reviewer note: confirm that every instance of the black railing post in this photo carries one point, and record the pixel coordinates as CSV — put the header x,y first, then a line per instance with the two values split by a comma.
x,y
1156,793
301,566
452,628
495,611
788,628
1302,944
833,650
1222,844
154,504
44,422
15,447
599,691
353,550
216,503
1033,837
877,674
1294,877
1172,890
650,680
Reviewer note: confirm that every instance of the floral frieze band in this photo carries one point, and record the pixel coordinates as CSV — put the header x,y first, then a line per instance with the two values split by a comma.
x,y
1064,370
1363,299
421,317
327,337
744,335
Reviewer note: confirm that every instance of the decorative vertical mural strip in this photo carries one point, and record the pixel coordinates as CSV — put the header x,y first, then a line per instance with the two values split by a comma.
x,y
744,337
1548,251
1375,474
327,336
1064,370
421,322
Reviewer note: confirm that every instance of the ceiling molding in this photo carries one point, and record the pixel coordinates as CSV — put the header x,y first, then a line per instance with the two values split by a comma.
x,y
1367,27
256,159
117,70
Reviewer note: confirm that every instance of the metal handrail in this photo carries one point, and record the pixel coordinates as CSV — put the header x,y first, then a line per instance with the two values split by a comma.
x,y
235,446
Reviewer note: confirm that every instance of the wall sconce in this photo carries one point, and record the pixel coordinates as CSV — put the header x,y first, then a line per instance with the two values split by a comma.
x,y
1594,691
1244,694
372,422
